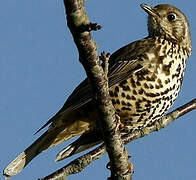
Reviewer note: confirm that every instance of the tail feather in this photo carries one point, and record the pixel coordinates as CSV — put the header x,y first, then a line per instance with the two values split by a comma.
x,y
19,163
85,141
50,138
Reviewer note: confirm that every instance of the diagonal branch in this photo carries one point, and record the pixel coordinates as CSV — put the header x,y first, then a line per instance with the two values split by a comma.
x,y
80,163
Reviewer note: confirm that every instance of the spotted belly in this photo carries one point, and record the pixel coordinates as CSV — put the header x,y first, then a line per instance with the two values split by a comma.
x,y
147,95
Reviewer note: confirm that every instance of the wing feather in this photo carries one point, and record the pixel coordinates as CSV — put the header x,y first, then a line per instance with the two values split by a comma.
x,y
122,64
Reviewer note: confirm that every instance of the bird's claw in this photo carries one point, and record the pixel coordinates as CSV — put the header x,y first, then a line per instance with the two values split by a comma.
x,y
119,124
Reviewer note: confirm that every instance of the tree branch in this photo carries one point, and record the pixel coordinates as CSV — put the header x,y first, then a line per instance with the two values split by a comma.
x,y
80,27
80,163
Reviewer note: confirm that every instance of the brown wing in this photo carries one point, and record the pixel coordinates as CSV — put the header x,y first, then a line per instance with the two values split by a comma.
x,y
122,64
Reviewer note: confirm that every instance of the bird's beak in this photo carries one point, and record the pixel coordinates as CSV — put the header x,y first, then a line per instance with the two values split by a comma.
x,y
150,10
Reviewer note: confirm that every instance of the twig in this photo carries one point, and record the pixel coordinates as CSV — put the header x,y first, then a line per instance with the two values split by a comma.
x,y
105,59
77,165
86,159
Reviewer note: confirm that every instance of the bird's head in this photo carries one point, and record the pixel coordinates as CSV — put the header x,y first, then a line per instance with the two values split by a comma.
x,y
169,22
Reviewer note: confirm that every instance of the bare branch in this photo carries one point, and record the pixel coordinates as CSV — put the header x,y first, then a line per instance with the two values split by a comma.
x,y
77,165
80,28
86,159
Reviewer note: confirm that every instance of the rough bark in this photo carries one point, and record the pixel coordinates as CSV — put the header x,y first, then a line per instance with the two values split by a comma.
x,y
80,27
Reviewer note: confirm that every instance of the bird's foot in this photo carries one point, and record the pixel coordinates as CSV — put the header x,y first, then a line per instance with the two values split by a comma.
x,y
119,124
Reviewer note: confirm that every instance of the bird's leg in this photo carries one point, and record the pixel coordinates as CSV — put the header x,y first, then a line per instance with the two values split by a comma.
x,y
105,59
119,124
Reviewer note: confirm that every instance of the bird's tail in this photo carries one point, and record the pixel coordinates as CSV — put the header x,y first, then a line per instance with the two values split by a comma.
x,y
52,137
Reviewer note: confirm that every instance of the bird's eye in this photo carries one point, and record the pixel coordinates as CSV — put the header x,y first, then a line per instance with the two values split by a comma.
x,y
171,17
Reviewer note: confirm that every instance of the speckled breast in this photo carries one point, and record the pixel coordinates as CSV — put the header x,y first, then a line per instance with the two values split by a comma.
x,y
150,92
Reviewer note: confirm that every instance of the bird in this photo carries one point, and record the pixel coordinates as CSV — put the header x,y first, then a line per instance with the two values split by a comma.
x,y
144,79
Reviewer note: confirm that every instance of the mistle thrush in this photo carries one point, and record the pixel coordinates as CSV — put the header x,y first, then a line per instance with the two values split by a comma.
x,y
145,77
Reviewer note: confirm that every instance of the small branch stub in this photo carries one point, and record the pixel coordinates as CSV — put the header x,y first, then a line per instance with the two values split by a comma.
x,y
90,27
105,57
